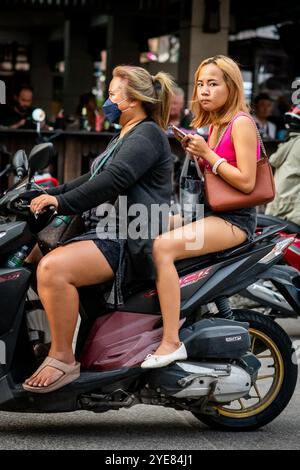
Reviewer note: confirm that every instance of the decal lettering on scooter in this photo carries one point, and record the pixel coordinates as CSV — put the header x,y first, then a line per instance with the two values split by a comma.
x,y
150,293
10,277
194,277
184,281
231,339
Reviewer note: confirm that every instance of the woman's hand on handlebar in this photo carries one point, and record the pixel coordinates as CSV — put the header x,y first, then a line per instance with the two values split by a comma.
x,y
39,203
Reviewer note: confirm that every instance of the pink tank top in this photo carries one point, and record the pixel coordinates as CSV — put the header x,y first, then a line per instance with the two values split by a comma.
x,y
225,147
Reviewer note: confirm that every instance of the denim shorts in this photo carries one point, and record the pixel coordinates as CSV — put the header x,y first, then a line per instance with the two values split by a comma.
x,y
244,219
111,250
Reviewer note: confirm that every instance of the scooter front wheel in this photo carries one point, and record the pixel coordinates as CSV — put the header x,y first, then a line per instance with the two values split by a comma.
x,y
275,383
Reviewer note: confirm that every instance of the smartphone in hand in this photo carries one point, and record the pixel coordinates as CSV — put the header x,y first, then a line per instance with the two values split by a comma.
x,y
179,134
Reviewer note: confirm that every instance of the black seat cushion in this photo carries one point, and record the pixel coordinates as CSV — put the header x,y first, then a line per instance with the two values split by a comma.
x,y
212,258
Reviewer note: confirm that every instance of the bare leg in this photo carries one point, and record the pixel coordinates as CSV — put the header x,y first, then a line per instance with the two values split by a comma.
x,y
218,235
59,274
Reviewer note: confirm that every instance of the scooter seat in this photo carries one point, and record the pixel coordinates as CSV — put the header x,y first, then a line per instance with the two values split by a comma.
x,y
212,258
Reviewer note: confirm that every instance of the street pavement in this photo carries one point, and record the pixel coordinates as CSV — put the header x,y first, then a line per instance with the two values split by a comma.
x,y
146,428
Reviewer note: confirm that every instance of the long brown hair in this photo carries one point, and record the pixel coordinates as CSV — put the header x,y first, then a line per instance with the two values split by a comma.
x,y
154,92
236,100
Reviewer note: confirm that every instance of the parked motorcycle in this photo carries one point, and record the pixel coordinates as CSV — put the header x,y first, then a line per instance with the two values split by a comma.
x,y
278,290
292,254
240,373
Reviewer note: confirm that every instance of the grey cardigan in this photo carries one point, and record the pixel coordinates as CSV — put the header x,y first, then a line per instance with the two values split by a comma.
x,y
140,168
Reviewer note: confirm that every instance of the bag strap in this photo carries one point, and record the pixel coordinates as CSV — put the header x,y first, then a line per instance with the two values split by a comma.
x,y
109,153
262,146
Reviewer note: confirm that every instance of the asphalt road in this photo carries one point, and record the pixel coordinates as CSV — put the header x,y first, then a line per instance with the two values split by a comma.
x,y
145,427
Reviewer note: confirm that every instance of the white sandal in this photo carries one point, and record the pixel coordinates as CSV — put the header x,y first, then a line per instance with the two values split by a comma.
x,y
152,361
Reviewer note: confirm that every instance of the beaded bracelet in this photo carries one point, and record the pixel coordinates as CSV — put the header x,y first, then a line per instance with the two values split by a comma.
x,y
216,165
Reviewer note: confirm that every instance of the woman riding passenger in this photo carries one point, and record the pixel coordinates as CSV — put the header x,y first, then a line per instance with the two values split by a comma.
x,y
138,165
232,151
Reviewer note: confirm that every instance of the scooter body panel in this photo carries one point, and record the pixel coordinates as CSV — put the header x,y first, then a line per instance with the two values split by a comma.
x,y
12,235
120,340
292,254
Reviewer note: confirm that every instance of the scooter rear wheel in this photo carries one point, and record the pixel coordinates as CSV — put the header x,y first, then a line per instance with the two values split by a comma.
x,y
275,383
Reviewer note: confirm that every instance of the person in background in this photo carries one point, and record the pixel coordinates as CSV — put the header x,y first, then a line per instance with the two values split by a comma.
x,y
18,115
179,116
281,106
286,161
262,111
88,116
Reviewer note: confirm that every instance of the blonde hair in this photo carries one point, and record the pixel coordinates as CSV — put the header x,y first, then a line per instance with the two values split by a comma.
x,y
236,100
154,92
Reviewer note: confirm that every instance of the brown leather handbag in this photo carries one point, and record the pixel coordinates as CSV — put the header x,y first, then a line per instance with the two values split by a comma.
x,y
222,197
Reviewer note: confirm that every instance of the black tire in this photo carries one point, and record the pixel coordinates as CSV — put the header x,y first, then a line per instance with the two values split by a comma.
x,y
277,335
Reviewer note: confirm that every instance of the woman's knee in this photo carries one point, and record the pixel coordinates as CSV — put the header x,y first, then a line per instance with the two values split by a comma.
x,y
162,252
50,270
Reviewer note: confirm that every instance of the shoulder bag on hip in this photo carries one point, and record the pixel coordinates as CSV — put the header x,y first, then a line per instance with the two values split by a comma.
x,y
222,197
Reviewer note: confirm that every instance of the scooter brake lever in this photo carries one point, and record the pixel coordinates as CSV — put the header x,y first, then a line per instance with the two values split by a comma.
x,y
50,208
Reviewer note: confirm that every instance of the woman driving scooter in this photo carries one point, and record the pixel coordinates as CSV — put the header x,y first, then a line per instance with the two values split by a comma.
x,y
138,164
232,151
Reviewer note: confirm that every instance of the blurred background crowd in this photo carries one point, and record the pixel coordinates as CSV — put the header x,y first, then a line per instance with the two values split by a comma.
x,y
58,55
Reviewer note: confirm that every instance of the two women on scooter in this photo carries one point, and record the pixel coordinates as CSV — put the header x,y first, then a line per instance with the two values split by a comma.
x,y
232,151
137,164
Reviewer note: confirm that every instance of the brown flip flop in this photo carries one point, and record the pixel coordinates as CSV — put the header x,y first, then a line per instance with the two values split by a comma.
x,y
70,373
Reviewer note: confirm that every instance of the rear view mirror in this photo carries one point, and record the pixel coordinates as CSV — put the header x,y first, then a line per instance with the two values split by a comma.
x,y
20,163
39,159
40,156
